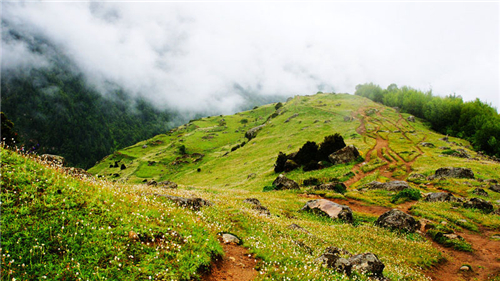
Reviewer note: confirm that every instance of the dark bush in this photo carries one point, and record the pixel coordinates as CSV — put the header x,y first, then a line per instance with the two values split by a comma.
x,y
279,166
307,153
244,121
278,106
269,188
329,145
235,147
310,181
290,165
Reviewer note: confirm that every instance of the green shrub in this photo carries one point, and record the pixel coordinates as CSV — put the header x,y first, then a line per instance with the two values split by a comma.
x,y
406,195
458,244
269,188
244,121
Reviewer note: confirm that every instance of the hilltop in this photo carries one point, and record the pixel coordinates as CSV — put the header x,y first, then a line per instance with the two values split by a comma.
x,y
225,160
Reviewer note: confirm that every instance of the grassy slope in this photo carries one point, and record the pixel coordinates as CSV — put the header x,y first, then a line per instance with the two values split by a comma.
x,y
224,180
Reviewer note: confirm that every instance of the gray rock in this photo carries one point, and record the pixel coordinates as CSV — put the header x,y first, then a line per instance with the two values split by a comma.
x,y
298,228
331,258
444,147
453,172
440,197
367,263
335,186
478,203
329,208
256,205
192,203
480,192
145,146
253,201
167,184
427,144
396,219
252,133
415,177
282,182
495,188
347,118
344,155
389,186
411,118
291,117
492,181
229,238
55,159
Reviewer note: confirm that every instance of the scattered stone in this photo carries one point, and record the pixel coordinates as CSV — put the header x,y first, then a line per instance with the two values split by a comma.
x,y
55,159
411,119
396,219
167,184
427,144
291,117
329,208
494,181
229,238
123,167
440,197
145,146
444,139
452,172
444,148
389,186
495,237
252,133
256,205
251,176
76,172
478,203
367,263
415,177
497,212
464,268
331,259
495,188
298,228
344,155
335,186
253,201
327,121
348,118
460,153
151,182
282,182
193,203
480,192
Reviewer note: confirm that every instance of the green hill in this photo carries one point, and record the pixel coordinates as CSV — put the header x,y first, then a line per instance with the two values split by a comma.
x,y
211,158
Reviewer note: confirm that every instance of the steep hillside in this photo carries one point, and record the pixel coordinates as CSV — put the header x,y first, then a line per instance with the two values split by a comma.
x,y
212,158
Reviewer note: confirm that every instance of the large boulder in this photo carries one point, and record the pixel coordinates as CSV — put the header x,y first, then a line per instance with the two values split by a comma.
x,y
344,155
282,182
389,186
329,208
367,263
453,172
331,258
478,203
252,133
440,197
55,159
480,192
396,219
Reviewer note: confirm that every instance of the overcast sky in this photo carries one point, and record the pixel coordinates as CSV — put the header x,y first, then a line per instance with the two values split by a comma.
x,y
195,56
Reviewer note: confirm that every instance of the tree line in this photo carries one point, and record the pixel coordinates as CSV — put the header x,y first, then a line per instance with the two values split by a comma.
x,y
475,121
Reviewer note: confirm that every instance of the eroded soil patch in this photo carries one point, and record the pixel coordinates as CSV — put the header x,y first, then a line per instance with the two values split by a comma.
x,y
237,264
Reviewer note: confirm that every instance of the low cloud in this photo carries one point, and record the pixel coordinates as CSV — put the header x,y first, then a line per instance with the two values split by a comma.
x,y
208,57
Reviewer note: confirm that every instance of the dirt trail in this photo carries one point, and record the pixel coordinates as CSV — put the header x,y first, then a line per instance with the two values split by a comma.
x,y
237,265
381,145
484,260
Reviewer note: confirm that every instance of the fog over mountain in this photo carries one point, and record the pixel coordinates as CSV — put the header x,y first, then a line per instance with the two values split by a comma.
x,y
208,57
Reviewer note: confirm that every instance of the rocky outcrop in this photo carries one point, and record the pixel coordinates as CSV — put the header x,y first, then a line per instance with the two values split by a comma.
x,y
389,186
329,208
291,117
344,155
396,219
440,197
167,184
478,203
282,182
415,178
252,133
427,144
453,172
367,263
54,159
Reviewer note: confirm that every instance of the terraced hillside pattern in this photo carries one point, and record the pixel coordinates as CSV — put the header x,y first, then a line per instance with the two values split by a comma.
x,y
216,159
